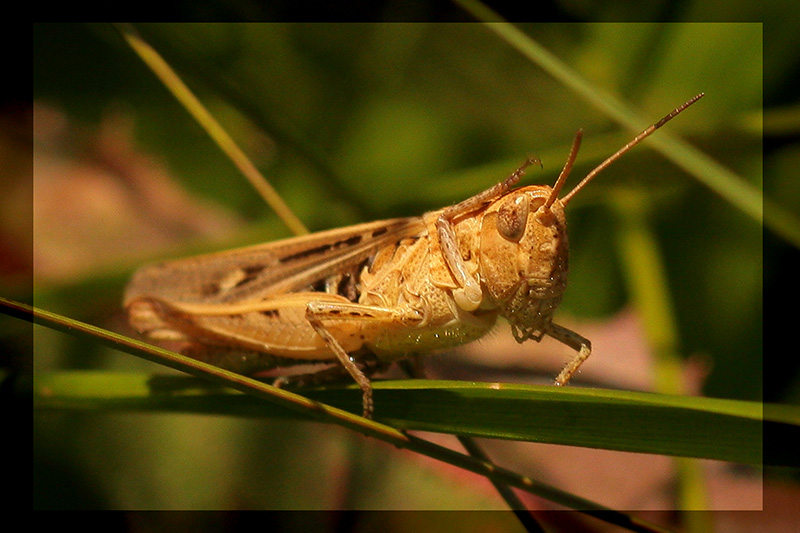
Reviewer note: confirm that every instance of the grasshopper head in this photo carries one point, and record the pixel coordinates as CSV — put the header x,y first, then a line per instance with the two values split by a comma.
x,y
523,243
524,257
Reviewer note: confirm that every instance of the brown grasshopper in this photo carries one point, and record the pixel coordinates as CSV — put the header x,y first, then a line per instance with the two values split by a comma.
x,y
364,296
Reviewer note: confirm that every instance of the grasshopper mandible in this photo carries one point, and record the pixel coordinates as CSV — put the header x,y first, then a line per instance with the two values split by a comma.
x,y
368,295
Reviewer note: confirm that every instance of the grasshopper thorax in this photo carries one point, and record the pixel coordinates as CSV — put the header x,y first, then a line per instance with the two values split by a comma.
x,y
524,256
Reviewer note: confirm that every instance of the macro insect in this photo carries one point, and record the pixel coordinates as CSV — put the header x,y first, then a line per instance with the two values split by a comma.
x,y
362,297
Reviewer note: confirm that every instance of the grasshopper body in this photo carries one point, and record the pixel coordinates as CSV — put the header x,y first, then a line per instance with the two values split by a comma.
x,y
364,296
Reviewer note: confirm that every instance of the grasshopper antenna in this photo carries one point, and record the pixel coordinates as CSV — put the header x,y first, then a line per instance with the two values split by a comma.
x,y
562,178
636,140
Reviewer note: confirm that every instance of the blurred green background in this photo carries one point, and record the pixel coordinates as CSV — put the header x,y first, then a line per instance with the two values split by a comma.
x,y
353,122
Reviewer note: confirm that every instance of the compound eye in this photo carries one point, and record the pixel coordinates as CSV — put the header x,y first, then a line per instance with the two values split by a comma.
x,y
512,217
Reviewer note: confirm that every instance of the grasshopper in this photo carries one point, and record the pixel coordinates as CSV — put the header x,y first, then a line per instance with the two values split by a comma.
x,y
362,297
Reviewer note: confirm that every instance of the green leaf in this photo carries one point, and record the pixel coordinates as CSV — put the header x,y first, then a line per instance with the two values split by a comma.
x,y
726,430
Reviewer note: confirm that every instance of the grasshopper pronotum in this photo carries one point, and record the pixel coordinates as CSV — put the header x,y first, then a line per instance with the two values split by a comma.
x,y
367,295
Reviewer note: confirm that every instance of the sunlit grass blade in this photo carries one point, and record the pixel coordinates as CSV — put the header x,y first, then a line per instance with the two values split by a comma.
x,y
221,137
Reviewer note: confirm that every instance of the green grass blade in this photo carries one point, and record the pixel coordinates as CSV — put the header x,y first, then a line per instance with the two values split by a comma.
x,y
618,420
726,430
716,177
